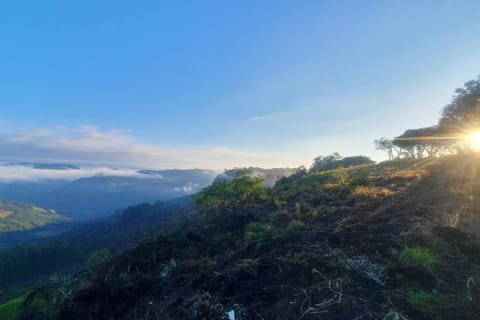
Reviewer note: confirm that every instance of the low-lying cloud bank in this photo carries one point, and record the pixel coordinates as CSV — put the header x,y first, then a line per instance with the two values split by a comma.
x,y
97,151
12,173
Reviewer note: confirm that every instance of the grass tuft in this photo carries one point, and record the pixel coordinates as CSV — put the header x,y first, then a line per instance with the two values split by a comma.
x,y
428,304
418,257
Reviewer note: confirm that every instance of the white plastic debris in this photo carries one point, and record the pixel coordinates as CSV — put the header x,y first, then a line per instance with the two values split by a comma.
x,y
173,263
231,315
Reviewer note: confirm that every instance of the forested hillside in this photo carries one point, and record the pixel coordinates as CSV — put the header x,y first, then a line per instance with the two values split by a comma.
x,y
395,240
19,216
70,249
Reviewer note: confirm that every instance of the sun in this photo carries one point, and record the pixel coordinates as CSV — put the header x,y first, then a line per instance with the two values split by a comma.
x,y
475,140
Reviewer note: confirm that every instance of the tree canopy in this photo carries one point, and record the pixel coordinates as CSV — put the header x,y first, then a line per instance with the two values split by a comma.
x,y
230,196
335,160
459,119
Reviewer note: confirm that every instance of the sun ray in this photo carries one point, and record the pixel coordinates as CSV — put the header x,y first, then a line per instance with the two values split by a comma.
x,y
475,140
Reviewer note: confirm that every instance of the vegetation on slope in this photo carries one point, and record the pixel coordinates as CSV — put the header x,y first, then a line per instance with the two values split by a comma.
x,y
383,241
18,216
71,249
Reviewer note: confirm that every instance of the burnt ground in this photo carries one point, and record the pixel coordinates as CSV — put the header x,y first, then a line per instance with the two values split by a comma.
x,y
331,251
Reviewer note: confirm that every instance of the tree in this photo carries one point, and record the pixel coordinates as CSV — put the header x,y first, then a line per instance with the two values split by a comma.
x,y
335,160
231,205
412,141
232,196
464,110
459,119
386,145
329,162
355,161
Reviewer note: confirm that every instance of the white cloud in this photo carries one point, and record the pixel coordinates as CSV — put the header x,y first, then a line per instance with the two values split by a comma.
x,y
88,145
189,188
264,117
23,173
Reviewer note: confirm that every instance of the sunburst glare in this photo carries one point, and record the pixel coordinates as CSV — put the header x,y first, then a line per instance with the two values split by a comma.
x,y
475,140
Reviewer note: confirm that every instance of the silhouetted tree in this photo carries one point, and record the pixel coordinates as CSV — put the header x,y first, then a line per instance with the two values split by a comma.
x,y
459,119
464,110
335,160
386,145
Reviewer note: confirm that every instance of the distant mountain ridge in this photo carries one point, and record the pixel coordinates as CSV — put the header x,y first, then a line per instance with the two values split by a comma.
x,y
45,166
103,193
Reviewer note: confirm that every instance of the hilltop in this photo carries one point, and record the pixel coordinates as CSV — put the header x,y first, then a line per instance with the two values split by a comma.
x,y
269,176
18,216
395,240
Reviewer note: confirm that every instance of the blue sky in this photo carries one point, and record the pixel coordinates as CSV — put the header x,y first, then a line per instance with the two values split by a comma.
x,y
216,84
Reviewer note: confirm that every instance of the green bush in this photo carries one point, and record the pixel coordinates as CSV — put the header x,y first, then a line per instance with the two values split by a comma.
x,y
292,232
301,259
341,176
418,257
428,304
360,178
97,259
206,263
230,196
261,234
278,203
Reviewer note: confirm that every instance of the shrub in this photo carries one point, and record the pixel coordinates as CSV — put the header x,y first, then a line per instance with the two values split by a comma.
x,y
280,217
206,263
371,193
278,203
418,257
341,176
359,178
97,259
292,232
261,234
302,259
231,196
426,303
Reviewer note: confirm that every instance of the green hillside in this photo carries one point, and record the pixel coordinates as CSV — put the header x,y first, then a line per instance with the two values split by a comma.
x,y
397,240
19,216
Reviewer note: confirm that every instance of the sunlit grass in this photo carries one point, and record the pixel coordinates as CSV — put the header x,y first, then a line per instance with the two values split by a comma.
x,y
371,193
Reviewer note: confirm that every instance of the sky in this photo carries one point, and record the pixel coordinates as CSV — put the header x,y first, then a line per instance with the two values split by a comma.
x,y
219,84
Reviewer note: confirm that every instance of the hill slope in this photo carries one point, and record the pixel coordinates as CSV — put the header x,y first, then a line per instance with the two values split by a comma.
x,y
68,248
18,216
386,241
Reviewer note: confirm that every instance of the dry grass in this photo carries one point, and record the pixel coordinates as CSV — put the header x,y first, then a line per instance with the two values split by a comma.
x,y
371,193
4,214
